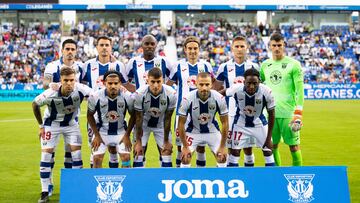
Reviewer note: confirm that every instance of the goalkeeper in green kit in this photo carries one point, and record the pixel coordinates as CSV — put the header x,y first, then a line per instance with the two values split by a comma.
x,y
285,78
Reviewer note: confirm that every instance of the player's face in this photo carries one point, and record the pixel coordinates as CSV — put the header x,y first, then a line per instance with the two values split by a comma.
x,y
103,47
277,48
239,49
112,85
149,45
68,83
192,51
204,86
155,85
251,84
69,51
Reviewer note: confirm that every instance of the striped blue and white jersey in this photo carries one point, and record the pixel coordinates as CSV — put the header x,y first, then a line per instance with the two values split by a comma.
x,y
232,73
137,69
154,107
185,74
250,107
202,113
95,70
52,70
62,111
110,113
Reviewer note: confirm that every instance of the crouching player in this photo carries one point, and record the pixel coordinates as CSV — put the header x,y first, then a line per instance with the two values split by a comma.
x,y
111,105
202,105
251,98
59,118
154,105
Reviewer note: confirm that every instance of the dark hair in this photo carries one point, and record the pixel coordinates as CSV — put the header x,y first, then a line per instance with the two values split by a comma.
x,y
191,39
239,38
203,75
252,72
155,73
112,73
68,41
65,71
103,37
276,37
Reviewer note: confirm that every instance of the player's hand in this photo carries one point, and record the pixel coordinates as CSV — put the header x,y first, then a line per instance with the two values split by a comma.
x,y
41,132
268,146
54,86
127,143
138,149
221,155
167,148
296,122
185,153
95,144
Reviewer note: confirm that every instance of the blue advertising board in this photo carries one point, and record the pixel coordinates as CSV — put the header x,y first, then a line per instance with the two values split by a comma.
x,y
332,91
260,184
19,92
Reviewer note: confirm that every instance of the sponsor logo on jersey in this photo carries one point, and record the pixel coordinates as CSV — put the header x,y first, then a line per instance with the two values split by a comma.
x,y
154,112
275,77
238,80
112,116
204,118
203,189
191,81
300,187
109,189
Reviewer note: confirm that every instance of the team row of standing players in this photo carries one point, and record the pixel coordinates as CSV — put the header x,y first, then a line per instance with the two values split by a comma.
x,y
235,93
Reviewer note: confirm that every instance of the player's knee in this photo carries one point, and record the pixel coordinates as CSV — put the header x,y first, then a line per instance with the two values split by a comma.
x,y
235,152
248,151
48,150
98,158
166,152
294,148
200,149
75,148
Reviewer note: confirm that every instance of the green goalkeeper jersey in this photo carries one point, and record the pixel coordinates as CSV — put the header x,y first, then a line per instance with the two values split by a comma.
x,y
286,80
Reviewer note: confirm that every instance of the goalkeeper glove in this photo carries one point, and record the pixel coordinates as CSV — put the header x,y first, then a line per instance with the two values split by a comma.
x,y
296,122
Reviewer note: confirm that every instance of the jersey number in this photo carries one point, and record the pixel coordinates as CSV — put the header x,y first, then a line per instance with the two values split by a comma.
x,y
46,136
236,134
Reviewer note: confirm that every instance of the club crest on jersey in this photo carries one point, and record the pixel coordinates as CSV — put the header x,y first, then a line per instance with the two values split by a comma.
x,y
239,79
112,116
76,99
157,64
109,189
249,110
275,77
212,107
300,187
284,65
258,101
204,118
69,109
121,105
163,102
191,81
154,112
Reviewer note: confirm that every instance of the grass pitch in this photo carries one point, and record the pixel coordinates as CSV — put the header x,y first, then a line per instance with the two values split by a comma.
x,y
330,136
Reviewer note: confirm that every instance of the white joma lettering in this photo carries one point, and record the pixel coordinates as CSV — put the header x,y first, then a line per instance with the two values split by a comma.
x,y
195,189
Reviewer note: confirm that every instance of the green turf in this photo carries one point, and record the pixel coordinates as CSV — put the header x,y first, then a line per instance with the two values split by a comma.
x,y
329,137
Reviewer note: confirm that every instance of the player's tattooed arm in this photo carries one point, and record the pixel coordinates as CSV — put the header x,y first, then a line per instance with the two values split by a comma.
x,y
97,140
138,150
167,148
47,80
130,87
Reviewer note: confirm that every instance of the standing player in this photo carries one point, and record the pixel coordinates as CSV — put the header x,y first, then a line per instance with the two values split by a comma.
x,y
52,74
231,73
154,106
251,98
59,118
137,68
184,74
110,104
94,72
285,78
202,105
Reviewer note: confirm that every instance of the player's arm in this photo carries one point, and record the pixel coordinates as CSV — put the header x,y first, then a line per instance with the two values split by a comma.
x,y
221,153
138,150
46,81
298,80
126,138
97,139
167,125
185,151
271,121
218,86
37,114
130,87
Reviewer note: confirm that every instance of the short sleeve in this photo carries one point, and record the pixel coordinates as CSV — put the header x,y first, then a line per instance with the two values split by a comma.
x,y
184,106
93,99
138,101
